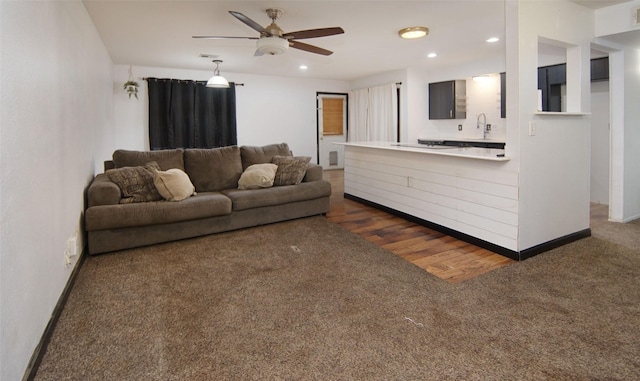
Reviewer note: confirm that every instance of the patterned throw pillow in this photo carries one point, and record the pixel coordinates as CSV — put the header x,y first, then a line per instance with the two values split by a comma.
x,y
136,183
291,169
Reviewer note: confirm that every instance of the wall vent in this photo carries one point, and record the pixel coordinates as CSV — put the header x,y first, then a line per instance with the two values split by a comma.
x,y
635,17
333,158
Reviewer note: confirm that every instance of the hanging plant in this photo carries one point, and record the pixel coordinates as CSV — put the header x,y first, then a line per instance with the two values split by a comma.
x,y
131,86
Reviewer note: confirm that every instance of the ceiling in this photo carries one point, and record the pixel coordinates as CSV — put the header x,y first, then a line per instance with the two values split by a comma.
x,y
159,34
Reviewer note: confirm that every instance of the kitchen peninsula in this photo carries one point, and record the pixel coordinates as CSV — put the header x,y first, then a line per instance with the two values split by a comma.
x,y
468,192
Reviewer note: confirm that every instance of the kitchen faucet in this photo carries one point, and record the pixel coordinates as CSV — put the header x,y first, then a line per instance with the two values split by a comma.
x,y
484,124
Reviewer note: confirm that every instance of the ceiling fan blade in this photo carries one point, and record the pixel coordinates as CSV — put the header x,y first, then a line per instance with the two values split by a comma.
x,y
252,24
224,37
309,48
311,33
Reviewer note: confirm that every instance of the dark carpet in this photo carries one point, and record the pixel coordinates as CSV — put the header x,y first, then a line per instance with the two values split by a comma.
x,y
308,300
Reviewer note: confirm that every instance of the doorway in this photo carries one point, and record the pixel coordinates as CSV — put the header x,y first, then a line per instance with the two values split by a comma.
x,y
610,117
600,142
331,126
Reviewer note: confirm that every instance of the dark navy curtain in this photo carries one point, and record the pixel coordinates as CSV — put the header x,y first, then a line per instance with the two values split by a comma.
x,y
187,114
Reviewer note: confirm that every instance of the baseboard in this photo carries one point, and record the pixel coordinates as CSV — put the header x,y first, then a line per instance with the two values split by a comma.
x,y
535,250
41,348
515,255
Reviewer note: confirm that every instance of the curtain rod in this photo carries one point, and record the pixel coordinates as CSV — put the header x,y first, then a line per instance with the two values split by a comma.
x,y
184,80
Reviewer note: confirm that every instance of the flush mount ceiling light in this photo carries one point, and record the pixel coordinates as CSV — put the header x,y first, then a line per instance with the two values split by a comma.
x,y
413,32
272,45
217,81
493,39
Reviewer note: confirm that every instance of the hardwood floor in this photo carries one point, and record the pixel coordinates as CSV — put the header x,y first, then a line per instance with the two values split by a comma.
x,y
443,256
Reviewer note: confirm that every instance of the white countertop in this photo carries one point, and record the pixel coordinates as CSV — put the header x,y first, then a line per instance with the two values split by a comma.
x,y
466,152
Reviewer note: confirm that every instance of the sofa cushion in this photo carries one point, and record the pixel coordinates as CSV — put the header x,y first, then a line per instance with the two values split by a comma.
x,y
166,159
255,198
213,169
202,205
258,176
173,184
103,191
291,169
136,183
259,155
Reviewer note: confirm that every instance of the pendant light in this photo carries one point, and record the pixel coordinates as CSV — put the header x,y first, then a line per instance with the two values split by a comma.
x,y
217,81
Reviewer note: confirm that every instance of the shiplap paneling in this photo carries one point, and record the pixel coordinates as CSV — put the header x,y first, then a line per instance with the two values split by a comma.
x,y
478,199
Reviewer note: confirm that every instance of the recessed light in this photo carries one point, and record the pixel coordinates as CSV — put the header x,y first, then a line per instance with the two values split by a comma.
x,y
493,39
413,32
432,55
303,67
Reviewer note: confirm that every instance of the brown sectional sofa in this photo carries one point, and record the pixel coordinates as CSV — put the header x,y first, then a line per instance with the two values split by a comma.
x,y
217,206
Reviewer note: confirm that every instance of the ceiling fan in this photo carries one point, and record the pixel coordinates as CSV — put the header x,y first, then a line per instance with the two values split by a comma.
x,y
274,41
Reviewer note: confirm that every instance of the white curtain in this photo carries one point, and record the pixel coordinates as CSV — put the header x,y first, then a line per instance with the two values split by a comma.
x,y
358,115
373,114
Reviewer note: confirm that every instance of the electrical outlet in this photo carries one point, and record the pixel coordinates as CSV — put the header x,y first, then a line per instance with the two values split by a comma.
x,y
532,128
72,246
459,127
488,127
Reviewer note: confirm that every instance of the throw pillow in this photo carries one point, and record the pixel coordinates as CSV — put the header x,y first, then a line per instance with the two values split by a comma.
x,y
291,169
264,154
136,183
173,184
258,176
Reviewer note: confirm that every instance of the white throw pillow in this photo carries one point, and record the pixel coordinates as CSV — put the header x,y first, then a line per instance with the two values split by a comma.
x,y
173,184
258,176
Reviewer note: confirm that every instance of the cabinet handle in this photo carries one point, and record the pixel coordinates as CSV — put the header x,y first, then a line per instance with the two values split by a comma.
x,y
450,113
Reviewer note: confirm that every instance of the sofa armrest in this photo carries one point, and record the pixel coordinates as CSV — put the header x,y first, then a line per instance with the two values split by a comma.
x,y
314,173
103,191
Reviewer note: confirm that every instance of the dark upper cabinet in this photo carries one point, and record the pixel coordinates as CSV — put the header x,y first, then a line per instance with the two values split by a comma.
x,y
447,100
556,74
551,78
543,84
550,81
600,69
503,95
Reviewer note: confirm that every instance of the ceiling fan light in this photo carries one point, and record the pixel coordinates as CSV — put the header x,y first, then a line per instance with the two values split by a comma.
x,y
272,45
413,32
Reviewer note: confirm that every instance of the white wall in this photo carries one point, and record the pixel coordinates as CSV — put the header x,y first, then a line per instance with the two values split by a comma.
x,y
482,97
269,109
631,179
56,105
554,163
616,18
